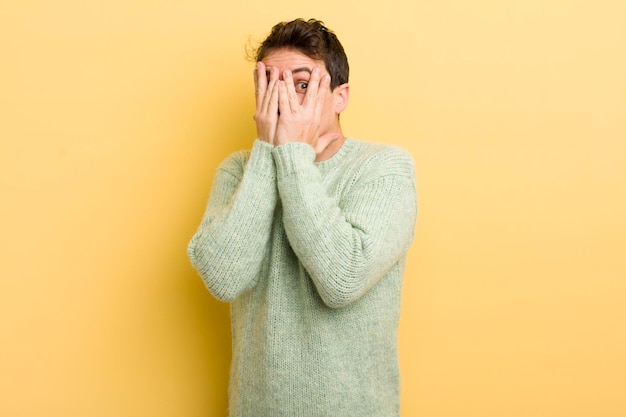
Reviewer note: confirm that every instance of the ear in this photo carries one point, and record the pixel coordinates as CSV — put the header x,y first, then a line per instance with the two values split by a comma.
x,y
341,94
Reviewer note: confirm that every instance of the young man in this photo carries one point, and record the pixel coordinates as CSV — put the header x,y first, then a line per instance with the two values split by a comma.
x,y
306,236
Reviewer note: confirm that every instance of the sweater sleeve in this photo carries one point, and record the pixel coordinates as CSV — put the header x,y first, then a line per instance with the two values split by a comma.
x,y
348,244
229,247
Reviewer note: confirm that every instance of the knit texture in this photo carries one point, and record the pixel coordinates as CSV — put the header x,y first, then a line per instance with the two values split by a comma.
x,y
311,257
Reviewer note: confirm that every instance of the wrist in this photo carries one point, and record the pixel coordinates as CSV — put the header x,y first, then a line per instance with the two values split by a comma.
x,y
292,156
261,160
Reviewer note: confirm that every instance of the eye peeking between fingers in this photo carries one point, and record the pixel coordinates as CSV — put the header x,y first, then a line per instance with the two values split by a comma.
x,y
301,86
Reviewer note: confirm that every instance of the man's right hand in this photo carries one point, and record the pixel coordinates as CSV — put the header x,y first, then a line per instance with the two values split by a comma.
x,y
266,93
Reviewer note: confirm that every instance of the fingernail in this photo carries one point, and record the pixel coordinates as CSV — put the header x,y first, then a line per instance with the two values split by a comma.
x,y
287,74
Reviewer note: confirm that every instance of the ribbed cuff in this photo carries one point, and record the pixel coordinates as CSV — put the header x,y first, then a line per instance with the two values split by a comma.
x,y
291,157
261,160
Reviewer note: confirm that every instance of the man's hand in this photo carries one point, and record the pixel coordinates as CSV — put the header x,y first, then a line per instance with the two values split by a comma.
x,y
302,122
266,93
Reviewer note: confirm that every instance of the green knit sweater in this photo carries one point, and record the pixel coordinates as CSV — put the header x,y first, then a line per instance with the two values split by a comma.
x,y
311,256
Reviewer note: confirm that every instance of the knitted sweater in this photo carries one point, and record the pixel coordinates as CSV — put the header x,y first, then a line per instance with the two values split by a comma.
x,y
311,256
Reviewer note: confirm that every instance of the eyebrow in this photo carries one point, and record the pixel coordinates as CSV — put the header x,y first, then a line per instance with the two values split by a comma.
x,y
301,69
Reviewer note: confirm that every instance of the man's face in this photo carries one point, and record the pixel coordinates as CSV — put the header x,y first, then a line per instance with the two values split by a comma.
x,y
301,67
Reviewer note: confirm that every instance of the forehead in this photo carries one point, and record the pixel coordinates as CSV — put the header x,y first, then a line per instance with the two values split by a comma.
x,y
290,59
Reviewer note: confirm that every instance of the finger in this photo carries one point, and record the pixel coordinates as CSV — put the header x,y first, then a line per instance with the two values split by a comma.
x,y
312,88
294,103
256,85
270,87
283,98
320,98
272,107
260,83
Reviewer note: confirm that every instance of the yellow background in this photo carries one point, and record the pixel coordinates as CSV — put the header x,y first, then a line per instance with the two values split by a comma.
x,y
114,116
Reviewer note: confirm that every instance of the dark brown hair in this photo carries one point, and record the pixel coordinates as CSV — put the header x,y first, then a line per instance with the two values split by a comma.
x,y
314,40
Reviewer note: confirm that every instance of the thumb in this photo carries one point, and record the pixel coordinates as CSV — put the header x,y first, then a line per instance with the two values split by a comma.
x,y
324,141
